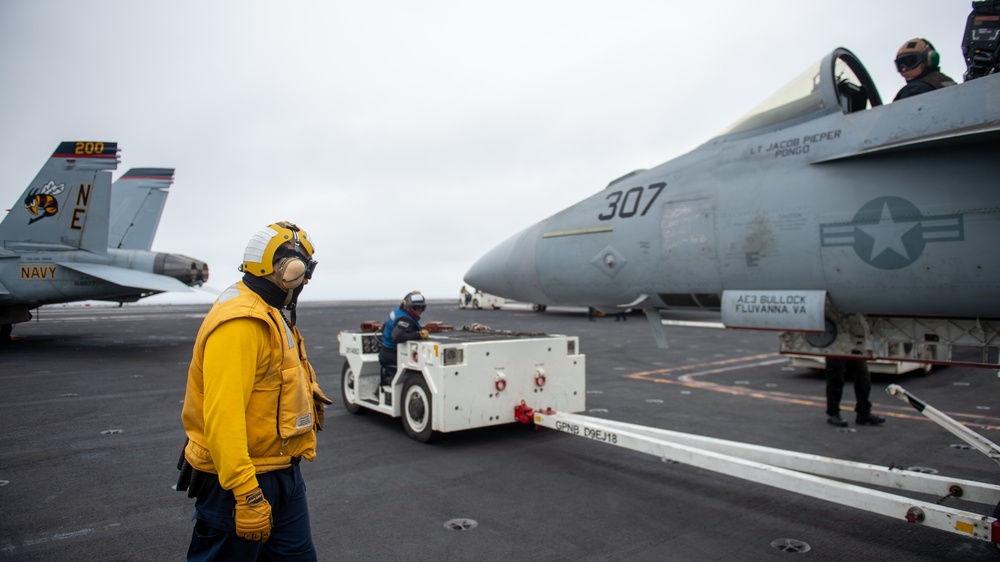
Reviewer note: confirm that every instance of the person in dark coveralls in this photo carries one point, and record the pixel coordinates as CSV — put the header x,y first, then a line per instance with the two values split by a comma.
x,y
252,409
919,64
403,324
835,369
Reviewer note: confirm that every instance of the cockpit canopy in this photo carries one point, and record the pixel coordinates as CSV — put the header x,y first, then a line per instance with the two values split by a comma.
x,y
839,82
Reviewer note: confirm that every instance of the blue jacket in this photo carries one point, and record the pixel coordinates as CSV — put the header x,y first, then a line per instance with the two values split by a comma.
x,y
398,327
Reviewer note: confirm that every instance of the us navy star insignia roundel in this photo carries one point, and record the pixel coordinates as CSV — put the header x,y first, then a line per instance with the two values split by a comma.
x,y
891,232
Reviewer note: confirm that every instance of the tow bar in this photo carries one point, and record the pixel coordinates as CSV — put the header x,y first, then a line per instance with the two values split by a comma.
x,y
802,473
978,442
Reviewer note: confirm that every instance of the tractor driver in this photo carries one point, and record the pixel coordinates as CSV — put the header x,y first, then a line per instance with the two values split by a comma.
x,y
403,324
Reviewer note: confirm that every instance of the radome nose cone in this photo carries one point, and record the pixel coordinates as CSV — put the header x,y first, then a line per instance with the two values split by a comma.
x,y
508,270
488,274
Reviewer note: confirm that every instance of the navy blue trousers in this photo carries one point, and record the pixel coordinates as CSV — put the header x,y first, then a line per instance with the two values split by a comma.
x,y
214,536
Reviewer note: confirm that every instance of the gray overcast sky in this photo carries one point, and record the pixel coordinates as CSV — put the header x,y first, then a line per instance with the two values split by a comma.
x,y
408,138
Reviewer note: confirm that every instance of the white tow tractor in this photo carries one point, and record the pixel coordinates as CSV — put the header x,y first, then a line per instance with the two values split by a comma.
x,y
463,379
479,300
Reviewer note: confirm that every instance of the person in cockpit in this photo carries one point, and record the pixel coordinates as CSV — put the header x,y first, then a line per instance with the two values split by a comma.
x,y
919,64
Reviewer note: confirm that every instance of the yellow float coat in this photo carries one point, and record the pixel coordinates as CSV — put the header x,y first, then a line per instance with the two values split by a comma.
x,y
248,407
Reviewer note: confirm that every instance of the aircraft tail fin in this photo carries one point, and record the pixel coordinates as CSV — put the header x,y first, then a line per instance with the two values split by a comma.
x,y
67,205
137,201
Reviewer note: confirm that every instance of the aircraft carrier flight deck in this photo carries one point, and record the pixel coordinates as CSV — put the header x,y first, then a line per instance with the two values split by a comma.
x,y
91,433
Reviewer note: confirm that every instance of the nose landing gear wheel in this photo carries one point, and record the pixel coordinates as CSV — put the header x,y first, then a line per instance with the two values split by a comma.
x,y
417,409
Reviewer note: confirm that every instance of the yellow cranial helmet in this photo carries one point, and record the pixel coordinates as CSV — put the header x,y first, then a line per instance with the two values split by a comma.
x,y
259,257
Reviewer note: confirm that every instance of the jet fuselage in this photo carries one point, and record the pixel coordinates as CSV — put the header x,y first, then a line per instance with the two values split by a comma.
x,y
884,210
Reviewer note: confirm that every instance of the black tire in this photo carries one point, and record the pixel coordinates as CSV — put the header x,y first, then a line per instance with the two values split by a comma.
x,y
349,389
475,304
416,409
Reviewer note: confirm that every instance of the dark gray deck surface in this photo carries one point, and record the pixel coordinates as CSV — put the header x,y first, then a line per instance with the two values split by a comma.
x,y
90,403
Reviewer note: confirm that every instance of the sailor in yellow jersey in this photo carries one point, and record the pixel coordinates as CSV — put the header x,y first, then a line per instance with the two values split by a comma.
x,y
252,410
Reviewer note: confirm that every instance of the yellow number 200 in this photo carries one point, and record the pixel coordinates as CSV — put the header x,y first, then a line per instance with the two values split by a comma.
x,y
89,147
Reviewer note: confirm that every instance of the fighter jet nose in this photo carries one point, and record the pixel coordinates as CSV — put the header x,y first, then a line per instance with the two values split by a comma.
x,y
509,270
487,273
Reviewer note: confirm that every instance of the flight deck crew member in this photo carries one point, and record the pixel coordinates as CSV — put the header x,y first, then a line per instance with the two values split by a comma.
x,y
918,64
252,409
835,369
403,324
